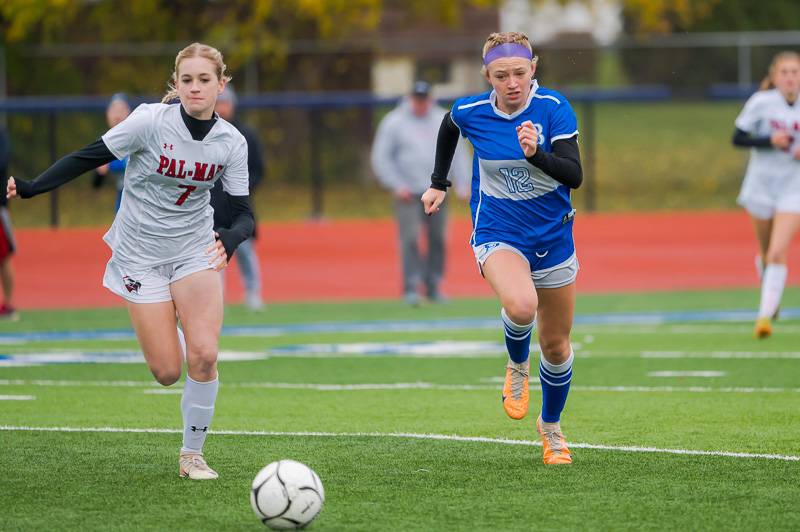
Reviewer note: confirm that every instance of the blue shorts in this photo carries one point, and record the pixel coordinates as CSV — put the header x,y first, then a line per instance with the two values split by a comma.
x,y
551,266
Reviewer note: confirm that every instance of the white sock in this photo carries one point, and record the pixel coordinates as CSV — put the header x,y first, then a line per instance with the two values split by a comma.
x,y
772,289
182,341
197,406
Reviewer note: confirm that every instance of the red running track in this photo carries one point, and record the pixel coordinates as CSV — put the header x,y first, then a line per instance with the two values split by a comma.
x,y
343,260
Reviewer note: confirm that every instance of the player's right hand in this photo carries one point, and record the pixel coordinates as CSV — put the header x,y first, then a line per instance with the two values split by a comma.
x,y
781,140
432,200
11,188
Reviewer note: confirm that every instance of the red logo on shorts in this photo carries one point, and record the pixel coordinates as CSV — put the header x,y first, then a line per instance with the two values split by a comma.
x,y
131,285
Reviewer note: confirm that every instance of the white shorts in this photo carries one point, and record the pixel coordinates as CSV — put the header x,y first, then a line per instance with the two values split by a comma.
x,y
556,276
763,195
142,284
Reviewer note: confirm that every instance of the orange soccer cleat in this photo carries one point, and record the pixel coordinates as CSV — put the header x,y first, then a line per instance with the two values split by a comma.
x,y
515,389
553,443
763,328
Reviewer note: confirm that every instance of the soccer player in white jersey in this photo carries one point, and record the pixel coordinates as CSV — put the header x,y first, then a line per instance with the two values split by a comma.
x,y
526,161
165,253
770,125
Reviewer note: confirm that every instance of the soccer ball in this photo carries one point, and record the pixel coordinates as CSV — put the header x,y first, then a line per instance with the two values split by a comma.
x,y
287,494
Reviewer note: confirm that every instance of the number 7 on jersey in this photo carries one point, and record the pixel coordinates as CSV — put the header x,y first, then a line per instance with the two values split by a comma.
x,y
189,190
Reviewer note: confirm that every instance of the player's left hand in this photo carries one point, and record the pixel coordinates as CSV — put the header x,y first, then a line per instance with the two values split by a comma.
x,y
218,257
796,153
528,138
11,188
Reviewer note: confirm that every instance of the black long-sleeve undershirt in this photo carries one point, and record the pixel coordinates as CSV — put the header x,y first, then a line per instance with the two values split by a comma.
x,y
562,164
446,144
242,226
746,140
66,169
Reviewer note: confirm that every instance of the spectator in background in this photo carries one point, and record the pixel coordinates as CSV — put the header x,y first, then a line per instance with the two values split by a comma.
x,y
118,110
7,310
402,156
247,259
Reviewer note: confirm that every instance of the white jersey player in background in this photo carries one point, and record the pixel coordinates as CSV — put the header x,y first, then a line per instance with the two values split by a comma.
x,y
164,250
770,125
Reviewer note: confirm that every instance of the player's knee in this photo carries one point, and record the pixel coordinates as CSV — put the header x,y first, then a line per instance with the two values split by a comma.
x,y
555,350
521,311
166,376
203,359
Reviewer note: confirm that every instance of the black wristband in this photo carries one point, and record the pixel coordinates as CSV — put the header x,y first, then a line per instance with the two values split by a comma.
x,y
440,184
25,189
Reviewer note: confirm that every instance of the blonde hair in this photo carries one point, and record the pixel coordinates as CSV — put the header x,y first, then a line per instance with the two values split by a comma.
x,y
496,39
767,83
195,49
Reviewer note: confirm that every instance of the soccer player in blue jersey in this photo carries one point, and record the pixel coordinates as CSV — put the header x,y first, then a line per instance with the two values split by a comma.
x,y
525,139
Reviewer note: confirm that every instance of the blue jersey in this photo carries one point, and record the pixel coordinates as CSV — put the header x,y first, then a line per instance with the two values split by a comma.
x,y
513,201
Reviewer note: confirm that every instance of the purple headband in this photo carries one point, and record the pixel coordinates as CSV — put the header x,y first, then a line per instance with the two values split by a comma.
x,y
509,49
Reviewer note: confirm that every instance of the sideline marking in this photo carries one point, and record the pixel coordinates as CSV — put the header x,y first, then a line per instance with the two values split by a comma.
x,y
411,435
155,388
380,326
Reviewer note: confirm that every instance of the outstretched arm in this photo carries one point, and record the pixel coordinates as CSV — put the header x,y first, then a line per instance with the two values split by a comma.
x,y
64,170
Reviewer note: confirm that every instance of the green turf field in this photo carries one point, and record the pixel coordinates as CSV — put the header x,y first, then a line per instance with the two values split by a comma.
x,y
414,433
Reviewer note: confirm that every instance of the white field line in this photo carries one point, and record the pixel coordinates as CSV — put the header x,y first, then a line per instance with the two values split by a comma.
x,y
720,354
409,435
706,374
675,329
17,397
152,387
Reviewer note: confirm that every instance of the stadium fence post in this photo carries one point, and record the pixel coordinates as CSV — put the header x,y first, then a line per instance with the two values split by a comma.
x,y
589,183
315,145
52,124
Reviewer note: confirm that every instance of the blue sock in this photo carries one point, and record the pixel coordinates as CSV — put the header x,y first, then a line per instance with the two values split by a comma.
x,y
518,338
555,381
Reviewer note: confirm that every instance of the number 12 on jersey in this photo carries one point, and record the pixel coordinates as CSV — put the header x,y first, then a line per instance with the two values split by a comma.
x,y
518,179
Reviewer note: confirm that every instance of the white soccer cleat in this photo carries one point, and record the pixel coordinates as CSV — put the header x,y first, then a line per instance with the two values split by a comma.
x,y
194,466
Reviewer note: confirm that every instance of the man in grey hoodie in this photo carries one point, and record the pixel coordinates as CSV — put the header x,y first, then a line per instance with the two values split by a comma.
x,y
402,158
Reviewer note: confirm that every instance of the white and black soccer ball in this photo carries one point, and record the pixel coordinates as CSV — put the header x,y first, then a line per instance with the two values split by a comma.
x,y
287,494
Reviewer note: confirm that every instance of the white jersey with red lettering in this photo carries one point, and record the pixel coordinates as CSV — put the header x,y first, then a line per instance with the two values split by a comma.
x,y
772,180
165,214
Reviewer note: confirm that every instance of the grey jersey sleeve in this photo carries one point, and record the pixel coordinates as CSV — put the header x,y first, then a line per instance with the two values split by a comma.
x,y
131,134
752,113
236,179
